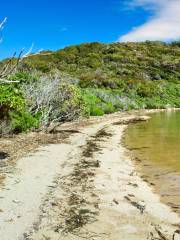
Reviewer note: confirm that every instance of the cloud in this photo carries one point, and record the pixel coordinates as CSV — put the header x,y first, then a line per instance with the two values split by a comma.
x,y
163,25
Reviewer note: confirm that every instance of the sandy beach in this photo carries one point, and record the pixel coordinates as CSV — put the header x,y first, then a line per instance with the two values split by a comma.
x,y
83,188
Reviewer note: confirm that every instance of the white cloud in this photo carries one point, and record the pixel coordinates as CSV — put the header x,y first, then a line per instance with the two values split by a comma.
x,y
163,25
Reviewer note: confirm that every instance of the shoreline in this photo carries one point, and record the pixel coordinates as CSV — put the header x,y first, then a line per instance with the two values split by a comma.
x,y
161,180
93,189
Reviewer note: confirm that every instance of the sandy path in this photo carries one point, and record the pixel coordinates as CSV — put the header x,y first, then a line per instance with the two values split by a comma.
x,y
38,192
24,191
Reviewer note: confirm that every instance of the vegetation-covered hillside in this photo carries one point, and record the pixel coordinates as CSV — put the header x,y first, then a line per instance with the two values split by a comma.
x,y
103,78
113,65
125,75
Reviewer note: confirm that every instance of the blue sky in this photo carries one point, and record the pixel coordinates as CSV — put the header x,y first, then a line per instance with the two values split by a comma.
x,y
53,24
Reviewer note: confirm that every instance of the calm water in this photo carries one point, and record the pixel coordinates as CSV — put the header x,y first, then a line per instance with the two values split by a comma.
x,y
156,144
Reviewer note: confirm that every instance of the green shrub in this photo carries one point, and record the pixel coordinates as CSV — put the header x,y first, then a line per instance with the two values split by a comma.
x,y
13,110
11,98
22,122
108,108
96,111
23,77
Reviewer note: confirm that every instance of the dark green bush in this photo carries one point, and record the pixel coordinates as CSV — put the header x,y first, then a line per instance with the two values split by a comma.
x,y
11,98
22,121
13,110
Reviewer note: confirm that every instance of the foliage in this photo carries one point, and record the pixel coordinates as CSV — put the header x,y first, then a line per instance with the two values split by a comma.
x,y
95,79
22,121
144,96
54,99
23,77
107,65
11,98
13,113
143,75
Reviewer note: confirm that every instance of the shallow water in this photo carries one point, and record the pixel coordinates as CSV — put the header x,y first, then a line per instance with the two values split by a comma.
x,y
156,147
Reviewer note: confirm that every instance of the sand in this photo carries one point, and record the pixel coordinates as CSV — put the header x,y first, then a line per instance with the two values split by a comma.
x,y
51,195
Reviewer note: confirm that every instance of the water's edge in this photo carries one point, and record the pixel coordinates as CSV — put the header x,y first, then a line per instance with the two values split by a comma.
x,y
163,182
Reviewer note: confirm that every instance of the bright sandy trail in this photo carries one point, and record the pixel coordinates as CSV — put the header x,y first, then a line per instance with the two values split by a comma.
x,y
25,191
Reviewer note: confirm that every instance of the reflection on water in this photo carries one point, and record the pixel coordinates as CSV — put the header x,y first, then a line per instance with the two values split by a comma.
x,y
157,140
157,144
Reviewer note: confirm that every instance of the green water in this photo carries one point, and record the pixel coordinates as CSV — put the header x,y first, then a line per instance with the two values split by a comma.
x,y
155,146
158,140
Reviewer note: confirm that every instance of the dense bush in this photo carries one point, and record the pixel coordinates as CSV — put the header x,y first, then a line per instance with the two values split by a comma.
x,y
22,121
38,101
11,99
115,62
14,116
53,99
141,96
95,79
